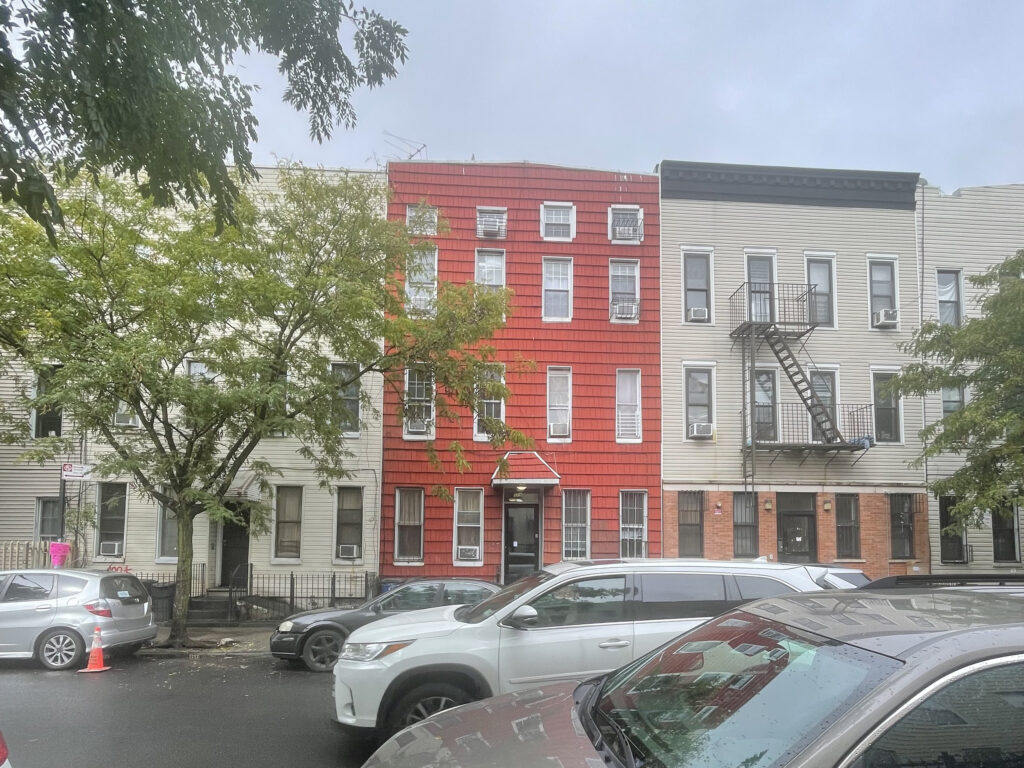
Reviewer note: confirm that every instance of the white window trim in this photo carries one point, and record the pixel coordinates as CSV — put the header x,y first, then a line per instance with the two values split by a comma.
x,y
491,209
547,406
429,434
895,259
37,528
960,289
642,491
899,407
97,557
395,560
423,206
714,398
359,401
586,526
476,266
274,559
824,256
122,408
455,529
572,221
702,250
639,222
409,303
160,559
572,287
483,437
639,407
636,291
334,533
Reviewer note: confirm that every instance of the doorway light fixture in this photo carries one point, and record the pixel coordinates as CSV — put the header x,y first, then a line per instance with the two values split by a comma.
x,y
827,505
767,505
520,487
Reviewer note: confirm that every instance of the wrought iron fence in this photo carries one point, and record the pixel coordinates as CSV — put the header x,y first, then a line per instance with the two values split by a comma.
x,y
782,304
273,595
791,424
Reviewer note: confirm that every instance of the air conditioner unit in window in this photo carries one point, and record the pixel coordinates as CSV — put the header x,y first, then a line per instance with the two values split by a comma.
x,y
697,315
701,430
125,420
885,318
111,549
468,553
490,227
625,310
558,430
347,551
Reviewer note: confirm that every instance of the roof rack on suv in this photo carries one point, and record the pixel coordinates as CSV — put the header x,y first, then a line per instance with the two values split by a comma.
x,y
948,580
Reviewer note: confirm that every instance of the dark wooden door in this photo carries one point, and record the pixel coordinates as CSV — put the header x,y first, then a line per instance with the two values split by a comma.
x,y
234,550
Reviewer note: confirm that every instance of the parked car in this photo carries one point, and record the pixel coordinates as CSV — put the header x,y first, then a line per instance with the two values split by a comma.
x,y
840,679
4,753
569,621
51,615
314,638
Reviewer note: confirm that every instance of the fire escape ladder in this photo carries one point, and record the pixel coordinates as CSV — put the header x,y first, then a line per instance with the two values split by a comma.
x,y
821,415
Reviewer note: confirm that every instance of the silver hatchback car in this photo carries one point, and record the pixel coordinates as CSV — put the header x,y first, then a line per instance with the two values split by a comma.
x,y
52,615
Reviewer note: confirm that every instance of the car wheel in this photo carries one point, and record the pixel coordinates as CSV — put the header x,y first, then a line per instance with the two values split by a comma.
x,y
321,650
422,702
60,649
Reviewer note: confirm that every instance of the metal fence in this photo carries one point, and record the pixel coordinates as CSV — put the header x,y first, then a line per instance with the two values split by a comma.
x,y
24,554
787,305
791,424
274,595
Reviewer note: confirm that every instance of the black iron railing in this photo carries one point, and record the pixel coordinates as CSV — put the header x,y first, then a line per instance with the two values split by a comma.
x,y
273,594
790,424
793,306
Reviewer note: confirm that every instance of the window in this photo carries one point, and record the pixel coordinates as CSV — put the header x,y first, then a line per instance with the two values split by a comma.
x,y
288,521
848,525
414,597
691,523
633,523
465,593
421,280
952,400
625,224
624,284
166,534
681,596
950,306
197,369
491,222
48,519
46,420
953,547
588,601
469,525
901,518
349,539
883,285
1005,536
559,403
698,396
421,219
756,587
887,409
822,292
490,268
557,289
29,586
627,405
558,221
347,375
112,509
125,415
419,403
766,410
409,524
697,287
491,406
575,524
744,525
761,274
823,383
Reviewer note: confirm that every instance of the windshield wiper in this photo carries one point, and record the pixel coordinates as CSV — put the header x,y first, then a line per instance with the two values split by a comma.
x,y
627,751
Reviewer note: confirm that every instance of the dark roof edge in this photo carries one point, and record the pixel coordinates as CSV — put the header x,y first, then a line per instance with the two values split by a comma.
x,y
792,186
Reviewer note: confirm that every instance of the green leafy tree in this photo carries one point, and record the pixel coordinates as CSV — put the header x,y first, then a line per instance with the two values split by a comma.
x,y
147,88
985,357
312,274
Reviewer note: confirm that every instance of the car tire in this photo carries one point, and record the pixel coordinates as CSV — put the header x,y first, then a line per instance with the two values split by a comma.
x,y
422,702
321,650
60,649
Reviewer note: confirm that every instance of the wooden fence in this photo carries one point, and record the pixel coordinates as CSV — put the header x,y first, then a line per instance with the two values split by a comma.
x,y
24,554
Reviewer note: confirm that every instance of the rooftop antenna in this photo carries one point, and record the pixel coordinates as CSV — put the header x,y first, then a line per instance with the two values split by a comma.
x,y
404,146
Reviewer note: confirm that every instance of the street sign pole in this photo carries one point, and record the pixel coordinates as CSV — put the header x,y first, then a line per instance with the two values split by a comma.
x,y
60,504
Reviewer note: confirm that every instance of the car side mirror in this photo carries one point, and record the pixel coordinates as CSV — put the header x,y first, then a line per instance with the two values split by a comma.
x,y
524,616
377,607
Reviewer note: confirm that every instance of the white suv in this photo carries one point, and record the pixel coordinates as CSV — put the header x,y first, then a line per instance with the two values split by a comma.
x,y
569,621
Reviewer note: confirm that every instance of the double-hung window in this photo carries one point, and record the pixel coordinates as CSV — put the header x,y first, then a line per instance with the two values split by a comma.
x,y
491,222
744,524
349,538
1006,535
882,277
48,518
952,400
46,420
625,224
821,286
901,525
559,403
288,522
766,407
950,304
624,287
112,506
633,523
697,286
490,268
698,397
627,405
167,534
421,219
887,409
691,523
409,524
848,525
558,221
575,524
491,404
953,546
469,525
347,402
419,403
823,383
557,289
421,279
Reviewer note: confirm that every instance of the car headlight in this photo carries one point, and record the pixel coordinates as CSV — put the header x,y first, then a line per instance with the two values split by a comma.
x,y
370,651
286,626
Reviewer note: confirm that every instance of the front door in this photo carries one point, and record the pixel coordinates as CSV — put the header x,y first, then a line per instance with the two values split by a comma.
x,y
798,532
234,550
522,541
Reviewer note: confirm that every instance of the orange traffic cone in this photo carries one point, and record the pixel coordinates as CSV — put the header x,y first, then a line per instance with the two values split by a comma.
x,y
96,654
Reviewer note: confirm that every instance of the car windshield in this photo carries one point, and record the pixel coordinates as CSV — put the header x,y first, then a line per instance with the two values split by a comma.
x,y
738,691
501,598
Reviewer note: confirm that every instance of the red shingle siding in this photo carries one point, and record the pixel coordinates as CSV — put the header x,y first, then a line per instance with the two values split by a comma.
x,y
590,344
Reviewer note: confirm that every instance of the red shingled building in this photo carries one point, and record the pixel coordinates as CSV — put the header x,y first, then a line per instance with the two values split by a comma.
x,y
579,250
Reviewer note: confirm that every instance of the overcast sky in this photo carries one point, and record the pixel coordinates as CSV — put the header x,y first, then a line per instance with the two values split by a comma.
x,y
908,85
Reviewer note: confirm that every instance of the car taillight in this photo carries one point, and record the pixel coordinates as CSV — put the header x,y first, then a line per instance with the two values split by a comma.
x,y
99,608
3,749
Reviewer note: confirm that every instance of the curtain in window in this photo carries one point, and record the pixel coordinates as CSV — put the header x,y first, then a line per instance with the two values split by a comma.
x,y
470,511
409,523
288,521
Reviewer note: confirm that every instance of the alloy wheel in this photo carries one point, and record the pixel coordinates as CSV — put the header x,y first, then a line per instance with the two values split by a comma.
x,y
424,708
60,650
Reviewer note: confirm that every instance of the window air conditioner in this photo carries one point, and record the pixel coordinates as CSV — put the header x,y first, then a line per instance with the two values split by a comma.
x,y
559,430
489,227
468,553
110,549
626,310
123,419
701,430
885,318
626,233
348,551
697,315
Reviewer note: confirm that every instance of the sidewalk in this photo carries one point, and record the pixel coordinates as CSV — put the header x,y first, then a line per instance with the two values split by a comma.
x,y
241,640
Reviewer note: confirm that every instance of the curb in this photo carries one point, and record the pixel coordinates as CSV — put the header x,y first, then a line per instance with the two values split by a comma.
x,y
190,652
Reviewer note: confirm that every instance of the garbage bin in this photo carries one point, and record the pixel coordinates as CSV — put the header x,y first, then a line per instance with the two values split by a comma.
x,y
162,595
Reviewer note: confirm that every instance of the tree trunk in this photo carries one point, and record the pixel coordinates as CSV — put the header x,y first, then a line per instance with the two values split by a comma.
x,y
182,579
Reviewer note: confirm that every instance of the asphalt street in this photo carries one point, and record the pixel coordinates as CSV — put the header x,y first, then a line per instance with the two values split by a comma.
x,y
207,709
